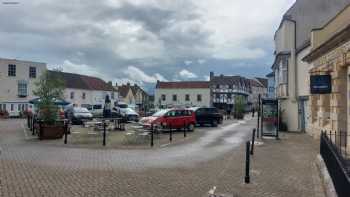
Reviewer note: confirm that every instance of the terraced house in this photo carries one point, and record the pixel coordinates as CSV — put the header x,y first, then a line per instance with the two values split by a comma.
x,y
292,44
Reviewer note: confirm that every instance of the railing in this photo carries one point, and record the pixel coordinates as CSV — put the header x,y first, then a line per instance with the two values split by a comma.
x,y
333,148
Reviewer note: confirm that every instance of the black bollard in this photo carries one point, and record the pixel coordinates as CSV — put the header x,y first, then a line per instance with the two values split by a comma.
x,y
65,132
253,141
152,128
185,134
259,110
28,121
247,163
104,133
170,133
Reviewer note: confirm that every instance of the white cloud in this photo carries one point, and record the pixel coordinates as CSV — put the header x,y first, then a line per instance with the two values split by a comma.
x,y
206,78
83,69
185,74
137,75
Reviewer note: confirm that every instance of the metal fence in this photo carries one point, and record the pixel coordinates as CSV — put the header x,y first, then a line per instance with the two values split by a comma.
x,y
333,148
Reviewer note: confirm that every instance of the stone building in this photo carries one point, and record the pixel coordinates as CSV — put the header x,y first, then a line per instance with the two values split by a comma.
x,y
17,82
330,55
292,43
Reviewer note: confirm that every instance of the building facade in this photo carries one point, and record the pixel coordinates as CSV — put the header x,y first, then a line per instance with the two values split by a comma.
x,y
292,43
182,94
17,82
271,85
330,55
126,94
85,91
225,89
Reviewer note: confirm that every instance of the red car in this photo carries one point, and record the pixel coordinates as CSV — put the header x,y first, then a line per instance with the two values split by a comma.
x,y
174,118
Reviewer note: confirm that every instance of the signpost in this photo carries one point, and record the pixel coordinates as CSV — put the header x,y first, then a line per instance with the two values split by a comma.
x,y
269,117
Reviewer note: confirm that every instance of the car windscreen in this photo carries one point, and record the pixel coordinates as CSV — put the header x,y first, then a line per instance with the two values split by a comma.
x,y
122,106
81,110
160,113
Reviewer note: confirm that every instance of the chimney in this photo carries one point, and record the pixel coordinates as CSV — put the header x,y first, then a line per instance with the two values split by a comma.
x,y
211,75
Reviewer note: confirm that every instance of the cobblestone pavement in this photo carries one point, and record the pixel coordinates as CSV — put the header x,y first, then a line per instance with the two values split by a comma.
x,y
279,168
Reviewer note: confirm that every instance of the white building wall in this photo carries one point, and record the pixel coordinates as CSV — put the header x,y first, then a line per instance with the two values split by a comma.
x,y
181,97
9,85
92,97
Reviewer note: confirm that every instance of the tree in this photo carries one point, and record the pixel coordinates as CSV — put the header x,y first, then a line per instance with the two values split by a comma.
x,y
239,107
50,88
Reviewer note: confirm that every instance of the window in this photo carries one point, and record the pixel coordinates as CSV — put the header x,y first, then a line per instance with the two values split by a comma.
x,y
12,70
163,97
174,97
12,107
217,86
72,95
32,72
199,97
187,97
84,95
22,89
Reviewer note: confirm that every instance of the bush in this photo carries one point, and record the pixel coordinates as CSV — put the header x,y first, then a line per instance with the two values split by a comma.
x,y
239,107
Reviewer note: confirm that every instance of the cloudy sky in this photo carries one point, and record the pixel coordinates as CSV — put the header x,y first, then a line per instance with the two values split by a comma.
x,y
143,41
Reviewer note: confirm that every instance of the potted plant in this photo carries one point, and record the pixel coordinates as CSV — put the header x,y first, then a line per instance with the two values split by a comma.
x,y
50,88
239,107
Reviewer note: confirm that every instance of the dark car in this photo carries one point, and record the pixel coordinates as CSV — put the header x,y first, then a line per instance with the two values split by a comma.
x,y
78,115
208,115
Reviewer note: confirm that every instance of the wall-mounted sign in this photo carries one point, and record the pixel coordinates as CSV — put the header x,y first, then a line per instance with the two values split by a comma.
x,y
321,84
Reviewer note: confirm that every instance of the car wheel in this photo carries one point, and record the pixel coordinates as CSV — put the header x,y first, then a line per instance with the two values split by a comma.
x,y
214,123
190,127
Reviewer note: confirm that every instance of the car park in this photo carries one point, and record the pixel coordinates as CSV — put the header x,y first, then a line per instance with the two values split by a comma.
x,y
77,115
174,118
208,115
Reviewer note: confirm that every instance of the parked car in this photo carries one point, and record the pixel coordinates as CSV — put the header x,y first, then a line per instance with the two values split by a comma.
x,y
176,118
127,113
208,115
78,114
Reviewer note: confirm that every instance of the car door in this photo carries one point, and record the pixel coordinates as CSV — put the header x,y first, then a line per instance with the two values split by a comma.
x,y
170,119
200,116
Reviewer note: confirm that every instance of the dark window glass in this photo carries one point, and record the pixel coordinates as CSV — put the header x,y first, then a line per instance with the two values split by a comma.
x,y
22,89
174,97
12,70
163,97
199,97
187,97
32,72
84,95
72,95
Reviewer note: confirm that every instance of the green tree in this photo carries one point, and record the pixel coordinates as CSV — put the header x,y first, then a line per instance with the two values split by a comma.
x,y
50,87
239,107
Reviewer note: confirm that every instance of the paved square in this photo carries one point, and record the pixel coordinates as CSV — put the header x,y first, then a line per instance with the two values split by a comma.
x,y
279,168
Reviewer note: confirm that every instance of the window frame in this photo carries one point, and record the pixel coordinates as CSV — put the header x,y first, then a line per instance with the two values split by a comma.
x,y
22,89
32,72
11,70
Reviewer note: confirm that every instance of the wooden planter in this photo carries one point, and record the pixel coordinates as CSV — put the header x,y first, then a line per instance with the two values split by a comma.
x,y
47,132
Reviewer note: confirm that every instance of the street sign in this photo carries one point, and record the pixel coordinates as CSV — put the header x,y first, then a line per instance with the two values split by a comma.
x,y
269,117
